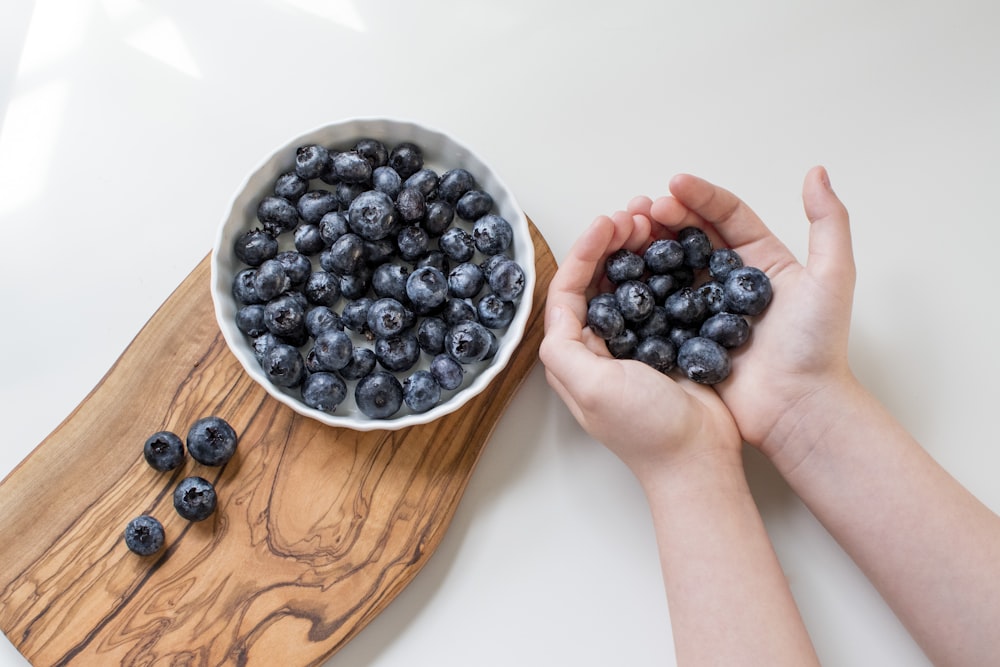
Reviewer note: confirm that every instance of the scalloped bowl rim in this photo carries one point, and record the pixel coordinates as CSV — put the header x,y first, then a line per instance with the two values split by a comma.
x,y
442,152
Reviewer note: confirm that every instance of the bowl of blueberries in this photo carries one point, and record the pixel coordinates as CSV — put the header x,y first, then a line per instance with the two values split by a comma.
x,y
373,274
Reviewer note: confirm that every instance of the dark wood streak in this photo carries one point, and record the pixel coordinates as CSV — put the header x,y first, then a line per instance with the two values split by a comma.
x,y
318,529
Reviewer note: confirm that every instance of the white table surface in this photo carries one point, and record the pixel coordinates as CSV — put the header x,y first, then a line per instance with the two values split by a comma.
x,y
128,125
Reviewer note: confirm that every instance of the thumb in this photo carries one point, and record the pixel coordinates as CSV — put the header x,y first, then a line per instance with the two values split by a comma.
x,y
830,250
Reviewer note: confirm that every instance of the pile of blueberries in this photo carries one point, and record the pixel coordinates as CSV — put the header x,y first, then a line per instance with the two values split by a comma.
x,y
211,441
667,313
365,261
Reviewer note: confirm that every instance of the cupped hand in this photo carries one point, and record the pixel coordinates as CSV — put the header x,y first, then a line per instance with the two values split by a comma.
x,y
798,347
650,420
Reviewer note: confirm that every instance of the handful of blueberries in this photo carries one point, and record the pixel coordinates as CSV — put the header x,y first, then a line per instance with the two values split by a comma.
x,y
665,313
366,262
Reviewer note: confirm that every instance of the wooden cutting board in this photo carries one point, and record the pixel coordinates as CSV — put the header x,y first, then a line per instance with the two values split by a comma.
x,y
317,528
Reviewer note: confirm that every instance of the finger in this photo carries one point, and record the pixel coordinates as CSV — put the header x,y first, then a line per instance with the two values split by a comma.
x,y
563,352
830,249
576,274
736,223
633,230
639,205
674,216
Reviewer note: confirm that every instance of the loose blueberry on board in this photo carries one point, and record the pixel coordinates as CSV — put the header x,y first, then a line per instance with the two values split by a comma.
x,y
684,306
144,535
211,441
195,498
163,451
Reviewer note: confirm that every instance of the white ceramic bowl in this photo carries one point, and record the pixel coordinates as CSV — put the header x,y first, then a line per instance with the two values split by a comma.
x,y
441,152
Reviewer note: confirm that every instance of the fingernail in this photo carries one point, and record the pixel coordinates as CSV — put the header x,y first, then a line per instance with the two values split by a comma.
x,y
825,179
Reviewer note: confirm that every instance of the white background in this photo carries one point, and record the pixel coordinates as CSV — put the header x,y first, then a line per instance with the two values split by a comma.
x,y
127,125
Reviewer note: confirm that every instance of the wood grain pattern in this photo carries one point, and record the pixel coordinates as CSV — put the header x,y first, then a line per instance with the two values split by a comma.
x,y
317,528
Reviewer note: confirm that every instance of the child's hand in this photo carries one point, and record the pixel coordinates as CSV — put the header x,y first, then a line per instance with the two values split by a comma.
x,y
650,420
798,348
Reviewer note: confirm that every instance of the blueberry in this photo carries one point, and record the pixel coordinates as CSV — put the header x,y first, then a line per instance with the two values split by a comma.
x,y
663,285
386,179
684,276
310,161
372,215
379,252
468,341
412,242
283,365
438,218
703,360
277,214
447,371
492,234
296,265
680,334
379,395
332,350
435,259
290,186
697,247
361,364
163,451
507,280
324,391
663,256
491,263
748,291
424,181
722,261
355,314
454,183
406,158
624,265
457,244
357,283
144,535
421,391
686,306
473,205
606,321
657,324
623,345
313,205
372,150
389,280
284,315
332,226
309,239
345,256
714,296
255,246
635,300
250,320
211,441
261,344
410,205
322,318
657,352
243,287
494,312
195,498
348,192
430,334
427,288
458,310
351,167
397,353
727,329
466,280
388,317
271,279
322,288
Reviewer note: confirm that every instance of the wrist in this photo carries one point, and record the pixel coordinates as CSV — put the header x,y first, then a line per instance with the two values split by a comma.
x,y
813,420
713,472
